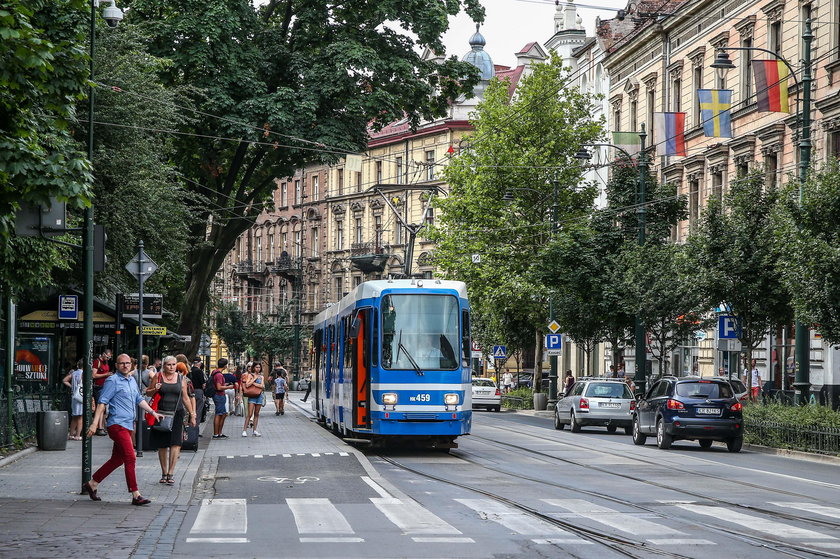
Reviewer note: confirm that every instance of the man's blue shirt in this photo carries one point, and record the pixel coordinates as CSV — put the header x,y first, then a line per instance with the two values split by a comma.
x,y
121,394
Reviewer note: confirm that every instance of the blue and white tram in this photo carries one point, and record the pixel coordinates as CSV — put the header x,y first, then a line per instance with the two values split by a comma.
x,y
392,361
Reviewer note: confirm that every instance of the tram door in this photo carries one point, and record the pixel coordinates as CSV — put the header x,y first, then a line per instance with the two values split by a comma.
x,y
360,332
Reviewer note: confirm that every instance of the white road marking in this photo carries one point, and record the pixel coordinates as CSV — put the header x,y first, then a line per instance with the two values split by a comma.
x,y
412,518
343,454
318,516
756,523
831,512
287,456
512,519
316,455
680,541
225,516
559,541
424,539
614,519
376,487
258,456
218,540
332,540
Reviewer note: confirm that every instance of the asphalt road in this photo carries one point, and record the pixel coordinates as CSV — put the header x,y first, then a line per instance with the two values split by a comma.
x,y
516,488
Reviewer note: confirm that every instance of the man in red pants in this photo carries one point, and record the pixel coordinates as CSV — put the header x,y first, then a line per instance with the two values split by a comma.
x,y
120,392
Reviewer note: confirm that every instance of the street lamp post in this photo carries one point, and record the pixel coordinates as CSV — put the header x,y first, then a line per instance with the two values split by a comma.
x,y
113,15
722,64
640,377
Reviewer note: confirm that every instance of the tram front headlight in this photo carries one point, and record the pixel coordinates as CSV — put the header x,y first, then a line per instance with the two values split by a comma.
x,y
451,399
389,399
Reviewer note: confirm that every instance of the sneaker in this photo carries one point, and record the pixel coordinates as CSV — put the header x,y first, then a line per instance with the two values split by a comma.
x,y
222,436
277,413
257,434
244,433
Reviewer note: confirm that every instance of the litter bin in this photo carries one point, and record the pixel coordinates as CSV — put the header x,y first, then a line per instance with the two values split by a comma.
x,y
540,401
51,430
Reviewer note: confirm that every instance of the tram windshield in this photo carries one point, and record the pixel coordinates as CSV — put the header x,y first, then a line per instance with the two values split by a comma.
x,y
420,332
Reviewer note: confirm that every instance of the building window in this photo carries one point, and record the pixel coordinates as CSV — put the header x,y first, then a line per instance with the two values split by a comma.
x,y
316,187
377,229
775,36
399,176
314,242
398,232
340,182
297,192
284,195
742,169
633,116
697,77
676,99
357,281
693,203
259,249
339,287
358,229
717,186
271,247
651,107
746,72
358,181
834,145
430,165
430,216
285,239
378,172
298,244
617,119
771,168
339,235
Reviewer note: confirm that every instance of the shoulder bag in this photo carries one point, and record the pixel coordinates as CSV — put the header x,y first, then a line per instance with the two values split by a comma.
x,y
168,419
253,391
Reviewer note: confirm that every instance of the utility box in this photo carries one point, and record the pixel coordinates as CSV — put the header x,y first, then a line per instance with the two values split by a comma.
x,y
51,430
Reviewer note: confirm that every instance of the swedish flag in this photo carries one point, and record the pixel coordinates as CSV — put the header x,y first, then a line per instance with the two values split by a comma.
x,y
714,112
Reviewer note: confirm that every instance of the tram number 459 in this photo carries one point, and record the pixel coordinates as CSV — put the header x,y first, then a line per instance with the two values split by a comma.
x,y
420,398
298,480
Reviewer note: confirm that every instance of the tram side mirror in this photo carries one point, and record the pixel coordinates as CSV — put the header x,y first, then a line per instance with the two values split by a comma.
x,y
355,327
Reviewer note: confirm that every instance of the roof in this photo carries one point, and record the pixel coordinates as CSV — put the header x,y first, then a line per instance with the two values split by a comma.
x,y
527,47
512,74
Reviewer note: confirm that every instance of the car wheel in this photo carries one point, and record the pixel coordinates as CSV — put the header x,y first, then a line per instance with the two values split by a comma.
x,y
497,408
639,438
574,426
706,443
611,428
559,425
663,439
735,444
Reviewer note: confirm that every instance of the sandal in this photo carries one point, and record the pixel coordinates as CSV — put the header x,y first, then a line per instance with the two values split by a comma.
x,y
163,478
169,480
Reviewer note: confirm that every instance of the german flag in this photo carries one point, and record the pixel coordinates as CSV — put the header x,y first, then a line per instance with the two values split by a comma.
x,y
771,86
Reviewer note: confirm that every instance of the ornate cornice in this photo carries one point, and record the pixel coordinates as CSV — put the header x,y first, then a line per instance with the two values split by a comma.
x,y
746,27
650,80
774,10
697,55
339,209
675,70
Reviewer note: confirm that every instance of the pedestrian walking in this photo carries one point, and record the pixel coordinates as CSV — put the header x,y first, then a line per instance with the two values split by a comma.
x,y
507,381
253,384
308,387
101,371
171,394
752,379
199,381
120,392
232,393
280,387
220,386
74,381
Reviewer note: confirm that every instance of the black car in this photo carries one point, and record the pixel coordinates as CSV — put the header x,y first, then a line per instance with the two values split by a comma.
x,y
689,408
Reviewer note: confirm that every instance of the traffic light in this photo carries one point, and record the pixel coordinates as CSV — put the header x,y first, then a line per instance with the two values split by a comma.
x,y
100,238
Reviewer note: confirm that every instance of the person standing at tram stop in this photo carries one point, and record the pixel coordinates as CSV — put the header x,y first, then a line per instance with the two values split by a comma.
x,y
219,385
73,380
280,389
120,394
255,403
568,383
174,400
752,378
101,371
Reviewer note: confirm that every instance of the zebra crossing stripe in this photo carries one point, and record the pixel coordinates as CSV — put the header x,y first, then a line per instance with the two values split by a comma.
x,y
756,523
318,516
613,518
831,512
221,516
517,521
412,518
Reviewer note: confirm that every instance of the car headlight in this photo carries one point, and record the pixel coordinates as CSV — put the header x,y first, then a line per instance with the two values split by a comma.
x,y
389,399
451,399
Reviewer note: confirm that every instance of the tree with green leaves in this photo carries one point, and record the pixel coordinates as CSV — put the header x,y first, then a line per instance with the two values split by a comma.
x,y
44,73
735,259
520,146
268,339
284,84
808,237
231,329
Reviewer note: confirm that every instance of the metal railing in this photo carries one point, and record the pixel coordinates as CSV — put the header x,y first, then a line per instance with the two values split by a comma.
x,y
515,402
821,440
25,406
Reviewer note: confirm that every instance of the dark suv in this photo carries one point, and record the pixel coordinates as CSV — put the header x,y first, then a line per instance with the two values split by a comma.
x,y
689,408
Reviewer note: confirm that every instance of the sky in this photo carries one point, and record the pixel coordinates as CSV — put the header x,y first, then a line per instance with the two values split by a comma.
x,y
511,24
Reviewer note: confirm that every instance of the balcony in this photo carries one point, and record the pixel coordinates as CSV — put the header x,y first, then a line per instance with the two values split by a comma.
x,y
369,257
244,267
288,267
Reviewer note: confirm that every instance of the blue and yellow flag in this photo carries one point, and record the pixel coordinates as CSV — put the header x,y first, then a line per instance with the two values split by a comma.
x,y
714,112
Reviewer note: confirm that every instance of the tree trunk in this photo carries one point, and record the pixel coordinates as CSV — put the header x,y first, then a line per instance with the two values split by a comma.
x,y
538,359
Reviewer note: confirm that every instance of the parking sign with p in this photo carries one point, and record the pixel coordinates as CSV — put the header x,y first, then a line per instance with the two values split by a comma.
x,y
728,327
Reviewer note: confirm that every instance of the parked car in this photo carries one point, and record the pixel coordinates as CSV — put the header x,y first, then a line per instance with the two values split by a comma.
x,y
689,408
738,387
485,394
605,402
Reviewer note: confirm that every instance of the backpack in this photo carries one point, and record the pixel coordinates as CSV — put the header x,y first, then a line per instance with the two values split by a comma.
x,y
213,380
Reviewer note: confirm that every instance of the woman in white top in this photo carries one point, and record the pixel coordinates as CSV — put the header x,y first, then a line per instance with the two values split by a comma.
x,y
74,381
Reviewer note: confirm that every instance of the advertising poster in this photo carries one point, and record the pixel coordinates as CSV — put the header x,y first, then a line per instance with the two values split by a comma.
x,y
33,355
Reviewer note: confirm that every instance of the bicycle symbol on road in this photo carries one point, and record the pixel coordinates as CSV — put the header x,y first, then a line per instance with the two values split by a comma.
x,y
298,480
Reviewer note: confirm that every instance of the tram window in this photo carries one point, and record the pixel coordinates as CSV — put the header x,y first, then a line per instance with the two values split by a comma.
x,y
466,345
374,340
420,332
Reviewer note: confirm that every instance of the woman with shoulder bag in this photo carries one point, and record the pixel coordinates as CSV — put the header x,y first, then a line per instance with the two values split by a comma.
x,y
174,403
74,381
253,384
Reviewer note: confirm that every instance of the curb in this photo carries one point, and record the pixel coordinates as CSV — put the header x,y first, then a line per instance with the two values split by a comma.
x,y
17,456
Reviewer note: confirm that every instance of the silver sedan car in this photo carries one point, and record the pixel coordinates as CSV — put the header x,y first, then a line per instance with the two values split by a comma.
x,y
601,401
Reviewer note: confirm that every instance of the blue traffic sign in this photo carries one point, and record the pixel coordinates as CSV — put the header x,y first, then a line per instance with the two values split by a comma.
x,y
499,352
554,341
728,327
68,307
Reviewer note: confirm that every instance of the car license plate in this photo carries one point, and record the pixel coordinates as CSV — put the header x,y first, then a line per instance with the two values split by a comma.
x,y
482,392
708,411
609,405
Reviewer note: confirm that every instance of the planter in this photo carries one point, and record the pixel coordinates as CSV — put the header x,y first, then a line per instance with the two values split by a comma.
x,y
540,401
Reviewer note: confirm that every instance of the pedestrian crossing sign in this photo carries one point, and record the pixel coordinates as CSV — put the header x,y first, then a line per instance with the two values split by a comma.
x,y
499,352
